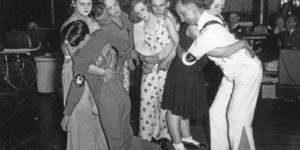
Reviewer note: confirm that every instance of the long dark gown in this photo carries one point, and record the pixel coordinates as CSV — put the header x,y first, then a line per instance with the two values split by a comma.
x,y
184,91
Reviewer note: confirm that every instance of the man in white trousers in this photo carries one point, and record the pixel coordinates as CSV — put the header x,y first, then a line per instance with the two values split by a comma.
x,y
232,111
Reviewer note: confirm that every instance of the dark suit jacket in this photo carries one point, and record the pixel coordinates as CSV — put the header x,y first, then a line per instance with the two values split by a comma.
x,y
293,40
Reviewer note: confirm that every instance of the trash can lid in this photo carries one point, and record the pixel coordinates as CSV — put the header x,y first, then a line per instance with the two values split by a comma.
x,y
45,58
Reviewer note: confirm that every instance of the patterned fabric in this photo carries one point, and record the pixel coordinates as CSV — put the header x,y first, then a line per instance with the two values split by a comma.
x,y
152,117
125,77
158,39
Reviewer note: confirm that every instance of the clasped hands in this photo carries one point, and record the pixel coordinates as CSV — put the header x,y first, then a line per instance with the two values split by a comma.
x,y
109,74
150,63
130,62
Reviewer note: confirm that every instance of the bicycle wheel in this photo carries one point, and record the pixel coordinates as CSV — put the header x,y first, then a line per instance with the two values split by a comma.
x,y
6,86
25,73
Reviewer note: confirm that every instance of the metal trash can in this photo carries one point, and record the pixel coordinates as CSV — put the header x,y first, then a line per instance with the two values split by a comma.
x,y
46,73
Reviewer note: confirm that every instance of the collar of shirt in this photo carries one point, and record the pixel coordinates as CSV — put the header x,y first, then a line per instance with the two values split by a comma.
x,y
205,17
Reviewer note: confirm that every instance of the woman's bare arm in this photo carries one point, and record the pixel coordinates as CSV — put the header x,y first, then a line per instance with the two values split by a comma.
x,y
174,38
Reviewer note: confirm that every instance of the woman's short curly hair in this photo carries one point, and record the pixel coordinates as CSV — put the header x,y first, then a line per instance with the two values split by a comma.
x,y
134,17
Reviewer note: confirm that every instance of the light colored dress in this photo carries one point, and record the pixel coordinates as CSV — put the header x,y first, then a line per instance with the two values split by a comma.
x,y
85,128
152,117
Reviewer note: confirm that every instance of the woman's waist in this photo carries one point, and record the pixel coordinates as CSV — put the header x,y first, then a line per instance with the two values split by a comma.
x,y
244,64
241,56
180,67
112,85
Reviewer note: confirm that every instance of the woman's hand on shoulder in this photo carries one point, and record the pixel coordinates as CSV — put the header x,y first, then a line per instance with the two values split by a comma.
x,y
192,31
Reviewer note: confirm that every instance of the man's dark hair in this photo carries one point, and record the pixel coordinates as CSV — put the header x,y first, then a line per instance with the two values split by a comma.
x,y
75,32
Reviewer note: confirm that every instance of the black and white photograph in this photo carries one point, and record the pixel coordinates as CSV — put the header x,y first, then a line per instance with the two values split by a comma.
x,y
149,74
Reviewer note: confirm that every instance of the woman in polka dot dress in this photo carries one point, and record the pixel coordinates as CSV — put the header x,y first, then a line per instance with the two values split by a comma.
x,y
155,40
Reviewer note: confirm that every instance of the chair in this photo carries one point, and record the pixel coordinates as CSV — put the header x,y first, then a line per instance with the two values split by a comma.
x,y
289,73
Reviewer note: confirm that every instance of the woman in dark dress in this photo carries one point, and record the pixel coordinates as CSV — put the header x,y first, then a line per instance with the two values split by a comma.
x,y
184,94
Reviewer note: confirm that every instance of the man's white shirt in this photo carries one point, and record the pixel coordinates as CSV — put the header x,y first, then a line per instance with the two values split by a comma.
x,y
213,36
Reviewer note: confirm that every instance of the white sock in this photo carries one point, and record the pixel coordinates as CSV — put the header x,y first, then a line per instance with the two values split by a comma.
x,y
179,146
190,140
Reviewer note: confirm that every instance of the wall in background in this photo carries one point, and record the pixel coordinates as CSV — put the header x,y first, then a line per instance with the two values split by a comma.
x,y
15,14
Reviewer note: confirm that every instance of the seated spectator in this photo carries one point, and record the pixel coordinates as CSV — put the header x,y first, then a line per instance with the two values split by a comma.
x,y
292,35
32,25
234,26
286,10
279,25
271,45
278,29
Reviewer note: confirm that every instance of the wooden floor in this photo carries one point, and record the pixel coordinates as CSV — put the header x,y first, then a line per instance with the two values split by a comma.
x,y
276,125
31,121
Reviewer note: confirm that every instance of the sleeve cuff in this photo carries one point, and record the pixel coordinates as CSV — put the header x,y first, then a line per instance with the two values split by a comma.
x,y
188,59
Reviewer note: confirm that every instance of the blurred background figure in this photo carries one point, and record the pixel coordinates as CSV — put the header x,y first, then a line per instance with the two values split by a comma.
x,y
292,35
234,27
286,10
279,26
32,25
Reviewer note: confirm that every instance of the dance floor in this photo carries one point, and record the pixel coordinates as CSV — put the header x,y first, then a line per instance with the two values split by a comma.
x,y
31,121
